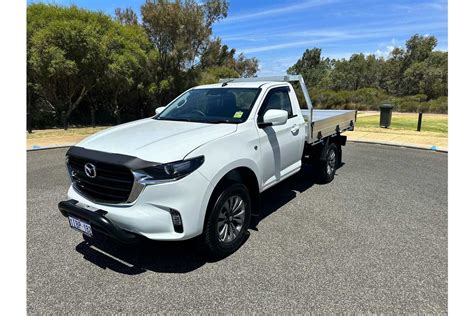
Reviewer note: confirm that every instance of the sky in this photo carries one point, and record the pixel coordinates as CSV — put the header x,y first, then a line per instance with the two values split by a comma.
x,y
277,32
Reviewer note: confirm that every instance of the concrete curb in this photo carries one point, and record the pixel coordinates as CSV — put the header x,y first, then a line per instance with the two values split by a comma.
x,y
434,148
411,146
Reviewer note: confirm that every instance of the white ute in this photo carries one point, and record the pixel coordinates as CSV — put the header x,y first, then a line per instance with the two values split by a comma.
x,y
197,167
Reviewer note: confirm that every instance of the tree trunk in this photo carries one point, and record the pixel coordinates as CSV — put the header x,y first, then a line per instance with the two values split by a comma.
x,y
117,108
117,111
93,118
72,106
64,120
28,115
28,123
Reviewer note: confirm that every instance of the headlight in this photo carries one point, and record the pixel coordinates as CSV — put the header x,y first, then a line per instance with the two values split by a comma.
x,y
168,171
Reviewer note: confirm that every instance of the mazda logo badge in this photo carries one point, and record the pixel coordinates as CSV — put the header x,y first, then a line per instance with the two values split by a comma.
x,y
90,171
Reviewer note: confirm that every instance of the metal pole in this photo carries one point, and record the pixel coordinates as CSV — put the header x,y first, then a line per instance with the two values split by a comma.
x,y
309,104
355,118
420,117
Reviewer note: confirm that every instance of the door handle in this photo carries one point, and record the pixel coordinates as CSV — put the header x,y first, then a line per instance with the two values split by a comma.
x,y
295,129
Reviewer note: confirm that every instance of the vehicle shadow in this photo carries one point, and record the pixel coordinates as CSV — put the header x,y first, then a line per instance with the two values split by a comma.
x,y
182,256
137,258
279,195
145,255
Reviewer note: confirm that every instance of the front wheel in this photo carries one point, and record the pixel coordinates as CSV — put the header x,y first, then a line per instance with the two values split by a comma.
x,y
326,168
228,220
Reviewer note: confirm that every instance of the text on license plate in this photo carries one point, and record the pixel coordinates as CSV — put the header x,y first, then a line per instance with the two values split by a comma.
x,y
80,225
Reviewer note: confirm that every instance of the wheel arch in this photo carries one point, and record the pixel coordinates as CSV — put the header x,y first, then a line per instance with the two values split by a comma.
x,y
319,151
240,174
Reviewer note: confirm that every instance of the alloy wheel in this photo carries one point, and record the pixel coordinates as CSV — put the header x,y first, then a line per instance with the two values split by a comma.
x,y
231,218
331,162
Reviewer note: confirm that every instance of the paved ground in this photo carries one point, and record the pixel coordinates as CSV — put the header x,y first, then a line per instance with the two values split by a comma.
x,y
374,240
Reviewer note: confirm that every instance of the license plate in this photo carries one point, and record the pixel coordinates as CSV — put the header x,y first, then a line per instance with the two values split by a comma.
x,y
81,226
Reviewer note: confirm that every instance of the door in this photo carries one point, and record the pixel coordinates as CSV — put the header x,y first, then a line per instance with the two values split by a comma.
x,y
281,145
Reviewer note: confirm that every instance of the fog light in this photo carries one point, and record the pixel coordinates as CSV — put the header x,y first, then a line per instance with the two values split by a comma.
x,y
176,219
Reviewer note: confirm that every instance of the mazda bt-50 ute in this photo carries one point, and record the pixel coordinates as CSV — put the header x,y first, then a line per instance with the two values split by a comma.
x,y
198,166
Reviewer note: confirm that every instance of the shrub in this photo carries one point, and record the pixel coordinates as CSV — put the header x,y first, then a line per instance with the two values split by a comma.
x,y
408,106
439,105
370,97
419,103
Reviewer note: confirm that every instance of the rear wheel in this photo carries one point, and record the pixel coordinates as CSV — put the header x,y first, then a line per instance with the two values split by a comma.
x,y
326,168
228,220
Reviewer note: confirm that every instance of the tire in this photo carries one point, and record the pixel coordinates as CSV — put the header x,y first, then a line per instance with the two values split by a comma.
x,y
326,168
231,208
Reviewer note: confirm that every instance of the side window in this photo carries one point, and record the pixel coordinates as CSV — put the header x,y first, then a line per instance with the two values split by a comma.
x,y
286,103
277,99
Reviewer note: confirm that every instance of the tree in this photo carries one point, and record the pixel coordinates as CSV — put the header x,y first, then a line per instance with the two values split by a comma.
x,y
126,17
126,48
80,61
179,32
392,72
218,55
246,67
213,74
312,66
417,73
65,55
429,77
418,48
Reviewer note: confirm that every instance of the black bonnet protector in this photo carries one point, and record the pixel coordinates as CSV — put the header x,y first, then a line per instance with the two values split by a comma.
x,y
130,162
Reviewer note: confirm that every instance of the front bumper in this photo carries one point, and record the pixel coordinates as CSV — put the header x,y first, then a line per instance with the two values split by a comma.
x,y
150,214
97,220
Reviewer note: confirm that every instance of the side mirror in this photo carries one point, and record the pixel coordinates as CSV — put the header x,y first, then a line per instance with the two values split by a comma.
x,y
274,117
160,109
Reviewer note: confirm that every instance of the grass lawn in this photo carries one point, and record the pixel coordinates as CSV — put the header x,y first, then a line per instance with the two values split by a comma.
x,y
434,129
57,132
436,123
59,137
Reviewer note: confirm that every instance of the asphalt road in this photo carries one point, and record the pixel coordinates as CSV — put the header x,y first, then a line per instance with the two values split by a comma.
x,y
374,240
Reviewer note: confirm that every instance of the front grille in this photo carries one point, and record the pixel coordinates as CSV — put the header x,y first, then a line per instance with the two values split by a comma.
x,y
112,183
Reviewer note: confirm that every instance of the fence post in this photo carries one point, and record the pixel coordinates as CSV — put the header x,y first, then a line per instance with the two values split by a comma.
x,y
420,117
355,119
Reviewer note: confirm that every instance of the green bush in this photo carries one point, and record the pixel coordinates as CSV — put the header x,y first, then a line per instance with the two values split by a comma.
x,y
439,105
371,99
419,103
408,106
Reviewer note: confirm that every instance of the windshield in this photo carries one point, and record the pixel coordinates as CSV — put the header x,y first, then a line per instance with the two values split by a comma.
x,y
215,105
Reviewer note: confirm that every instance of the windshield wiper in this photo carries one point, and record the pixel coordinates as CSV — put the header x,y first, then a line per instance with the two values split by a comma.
x,y
174,119
208,121
220,121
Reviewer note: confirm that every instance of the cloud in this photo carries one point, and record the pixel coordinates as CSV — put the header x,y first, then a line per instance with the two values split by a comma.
x,y
279,32
340,36
276,11
280,46
382,53
277,66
